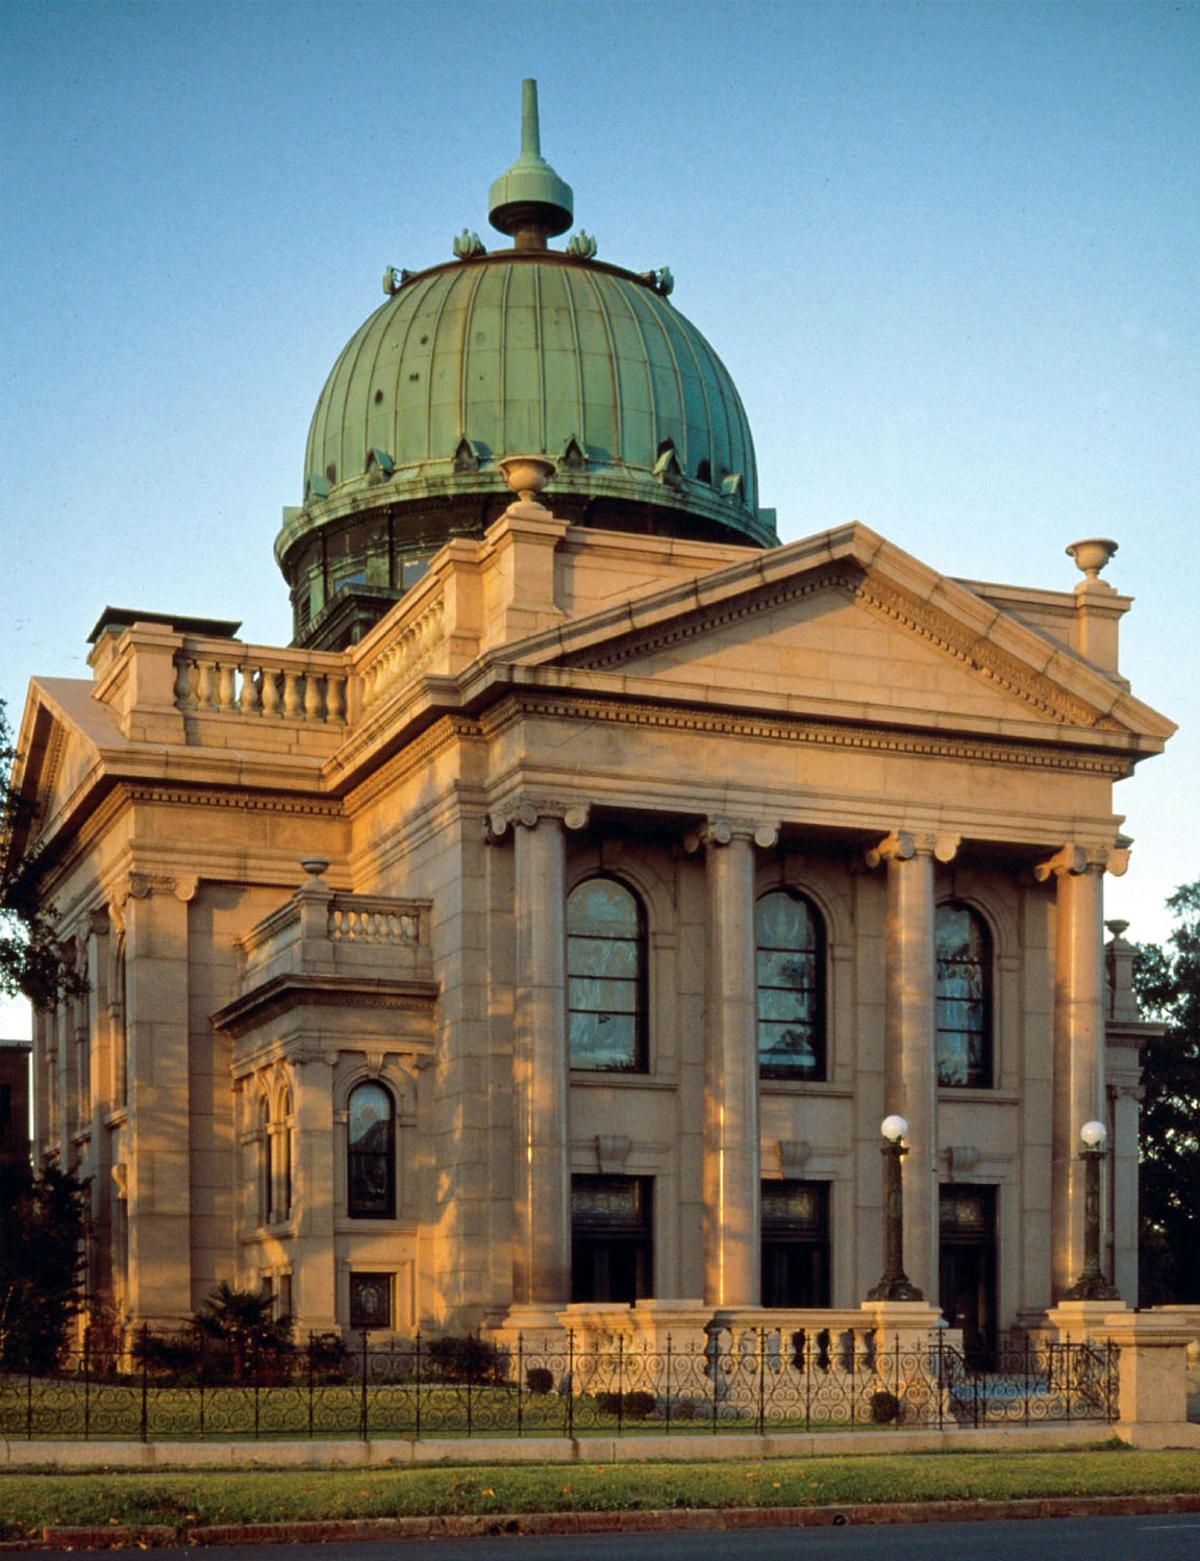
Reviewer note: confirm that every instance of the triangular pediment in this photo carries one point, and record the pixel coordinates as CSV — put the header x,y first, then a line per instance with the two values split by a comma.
x,y
60,748
844,620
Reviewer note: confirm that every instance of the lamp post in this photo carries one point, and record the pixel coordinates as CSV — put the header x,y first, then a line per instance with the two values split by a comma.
x,y
895,1284
1091,1284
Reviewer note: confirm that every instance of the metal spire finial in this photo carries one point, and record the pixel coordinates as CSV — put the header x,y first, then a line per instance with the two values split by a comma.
x,y
530,201
531,135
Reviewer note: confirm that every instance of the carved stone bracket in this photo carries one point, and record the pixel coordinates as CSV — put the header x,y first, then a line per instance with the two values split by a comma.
x,y
963,1158
99,923
794,1155
612,1151
141,886
1118,858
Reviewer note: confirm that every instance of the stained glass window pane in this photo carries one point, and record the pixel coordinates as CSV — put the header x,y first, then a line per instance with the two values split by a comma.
x,y
964,1018
606,964
790,965
371,1153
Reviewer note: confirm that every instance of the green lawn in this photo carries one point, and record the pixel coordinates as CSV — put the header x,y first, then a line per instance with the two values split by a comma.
x,y
188,1498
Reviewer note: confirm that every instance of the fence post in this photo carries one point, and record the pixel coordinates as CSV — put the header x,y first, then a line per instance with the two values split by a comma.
x,y
941,1375
256,1367
520,1383
1025,1341
1068,1371
87,1374
198,1342
668,1384
311,1352
762,1384
469,1380
362,1404
570,1383
145,1426
620,1383
417,1369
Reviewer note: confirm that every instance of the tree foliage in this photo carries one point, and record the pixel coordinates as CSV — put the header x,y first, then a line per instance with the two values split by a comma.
x,y
31,962
1167,982
43,1223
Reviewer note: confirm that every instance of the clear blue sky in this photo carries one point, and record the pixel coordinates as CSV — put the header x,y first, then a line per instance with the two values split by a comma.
x,y
948,252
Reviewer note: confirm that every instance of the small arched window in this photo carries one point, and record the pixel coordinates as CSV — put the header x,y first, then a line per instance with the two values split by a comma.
x,y
790,958
606,978
371,1153
266,1197
285,1155
964,998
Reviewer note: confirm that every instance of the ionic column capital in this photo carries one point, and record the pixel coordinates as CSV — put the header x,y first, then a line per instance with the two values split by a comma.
x,y
720,830
902,845
1072,861
528,812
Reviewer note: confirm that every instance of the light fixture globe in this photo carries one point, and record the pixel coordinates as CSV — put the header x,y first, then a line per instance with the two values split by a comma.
x,y
893,1128
1094,1135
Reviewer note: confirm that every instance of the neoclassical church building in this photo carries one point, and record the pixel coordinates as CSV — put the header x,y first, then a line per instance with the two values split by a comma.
x,y
555,919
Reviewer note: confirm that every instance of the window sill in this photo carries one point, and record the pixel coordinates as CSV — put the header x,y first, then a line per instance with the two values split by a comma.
x,y
620,1081
821,1087
975,1095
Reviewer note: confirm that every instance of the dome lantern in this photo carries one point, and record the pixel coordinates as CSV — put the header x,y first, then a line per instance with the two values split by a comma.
x,y
530,201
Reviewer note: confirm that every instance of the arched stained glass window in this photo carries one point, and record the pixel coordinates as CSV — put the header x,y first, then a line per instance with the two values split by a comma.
x,y
964,998
606,969
285,1155
790,956
266,1200
371,1153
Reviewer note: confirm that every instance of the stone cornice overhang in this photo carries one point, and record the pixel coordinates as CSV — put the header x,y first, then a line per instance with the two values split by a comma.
x,y
293,989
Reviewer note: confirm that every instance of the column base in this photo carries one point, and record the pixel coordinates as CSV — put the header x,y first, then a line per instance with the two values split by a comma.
x,y
536,1323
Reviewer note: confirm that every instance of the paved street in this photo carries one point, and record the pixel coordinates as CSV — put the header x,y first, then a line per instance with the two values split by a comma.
x,y
1053,1539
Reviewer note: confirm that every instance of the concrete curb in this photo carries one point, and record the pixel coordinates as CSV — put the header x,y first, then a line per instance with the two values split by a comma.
x,y
485,1525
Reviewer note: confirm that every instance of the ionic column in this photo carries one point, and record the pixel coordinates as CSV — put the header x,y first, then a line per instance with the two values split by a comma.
x,y
731,1175
910,1066
542,1211
1078,1089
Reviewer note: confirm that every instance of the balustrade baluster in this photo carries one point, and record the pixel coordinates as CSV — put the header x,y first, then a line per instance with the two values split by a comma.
x,y
205,673
335,704
312,697
225,690
185,672
270,692
291,695
251,694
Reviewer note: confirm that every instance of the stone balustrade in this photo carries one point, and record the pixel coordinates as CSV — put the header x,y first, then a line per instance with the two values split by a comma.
x,y
400,656
224,677
363,919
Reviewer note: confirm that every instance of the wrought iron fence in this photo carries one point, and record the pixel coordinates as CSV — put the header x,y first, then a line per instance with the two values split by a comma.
x,y
181,1387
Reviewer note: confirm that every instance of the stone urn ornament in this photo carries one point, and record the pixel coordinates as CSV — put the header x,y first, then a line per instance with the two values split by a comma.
x,y
527,475
1092,554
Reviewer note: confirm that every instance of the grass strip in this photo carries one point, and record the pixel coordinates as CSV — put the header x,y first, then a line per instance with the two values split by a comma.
x,y
262,1496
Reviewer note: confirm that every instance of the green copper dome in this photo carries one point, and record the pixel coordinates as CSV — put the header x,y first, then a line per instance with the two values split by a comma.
x,y
525,351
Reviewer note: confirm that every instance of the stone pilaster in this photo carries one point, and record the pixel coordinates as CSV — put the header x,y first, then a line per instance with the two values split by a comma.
x,y
1078,1089
100,1160
158,1184
911,1035
542,1201
731,1175
313,1207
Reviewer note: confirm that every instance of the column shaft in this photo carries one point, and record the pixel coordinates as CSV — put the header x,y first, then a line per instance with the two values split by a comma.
x,y
313,1182
542,1211
732,1256
911,1055
1078,1056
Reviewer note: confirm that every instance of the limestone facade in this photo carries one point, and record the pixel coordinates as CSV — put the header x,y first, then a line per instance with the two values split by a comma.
x,y
353,1081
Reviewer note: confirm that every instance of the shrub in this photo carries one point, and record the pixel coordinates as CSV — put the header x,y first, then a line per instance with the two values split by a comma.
x,y
465,1358
539,1379
685,1409
329,1357
634,1405
885,1407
